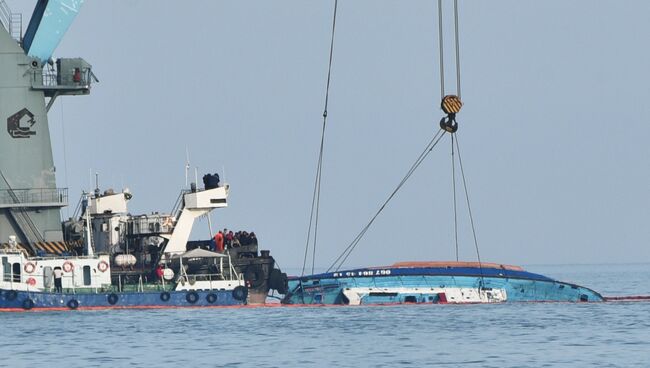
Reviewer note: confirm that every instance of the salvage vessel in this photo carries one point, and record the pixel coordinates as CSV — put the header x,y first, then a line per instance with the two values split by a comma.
x,y
103,256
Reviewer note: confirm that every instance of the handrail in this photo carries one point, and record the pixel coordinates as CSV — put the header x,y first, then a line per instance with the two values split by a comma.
x,y
21,214
33,195
5,14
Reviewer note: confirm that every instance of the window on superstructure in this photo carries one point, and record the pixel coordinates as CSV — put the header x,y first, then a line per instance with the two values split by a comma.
x,y
86,272
16,272
6,270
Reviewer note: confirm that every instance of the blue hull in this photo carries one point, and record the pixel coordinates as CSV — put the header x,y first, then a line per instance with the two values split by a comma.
x,y
520,286
22,300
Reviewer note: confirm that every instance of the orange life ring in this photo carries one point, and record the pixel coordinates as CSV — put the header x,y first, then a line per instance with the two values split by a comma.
x,y
68,266
29,267
102,266
31,281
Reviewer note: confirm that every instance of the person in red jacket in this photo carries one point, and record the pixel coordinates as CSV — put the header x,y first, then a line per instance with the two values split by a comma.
x,y
160,272
218,239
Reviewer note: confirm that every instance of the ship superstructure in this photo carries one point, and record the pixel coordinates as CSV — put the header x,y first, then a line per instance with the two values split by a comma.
x,y
30,82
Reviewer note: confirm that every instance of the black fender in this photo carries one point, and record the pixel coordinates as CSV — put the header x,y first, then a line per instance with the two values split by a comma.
x,y
28,304
254,275
240,293
192,297
211,298
73,304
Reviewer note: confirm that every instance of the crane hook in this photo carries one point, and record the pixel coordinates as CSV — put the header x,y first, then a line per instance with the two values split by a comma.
x,y
449,123
451,105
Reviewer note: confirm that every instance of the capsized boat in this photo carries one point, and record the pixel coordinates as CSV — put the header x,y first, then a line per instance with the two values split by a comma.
x,y
433,282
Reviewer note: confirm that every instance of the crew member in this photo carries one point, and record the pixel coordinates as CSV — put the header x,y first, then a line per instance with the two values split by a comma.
x,y
218,239
58,276
160,272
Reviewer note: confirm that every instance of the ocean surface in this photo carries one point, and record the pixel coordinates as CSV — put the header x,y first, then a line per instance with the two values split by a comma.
x,y
507,335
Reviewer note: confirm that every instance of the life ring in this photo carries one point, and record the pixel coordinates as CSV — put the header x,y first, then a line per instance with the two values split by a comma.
x,y
102,266
192,297
73,304
29,267
164,296
254,276
68,266
240,293
211,298
31,281
28,304
112,298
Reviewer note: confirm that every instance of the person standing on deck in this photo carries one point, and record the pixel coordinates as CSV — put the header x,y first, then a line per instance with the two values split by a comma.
x,y
58,277
229,238
219,241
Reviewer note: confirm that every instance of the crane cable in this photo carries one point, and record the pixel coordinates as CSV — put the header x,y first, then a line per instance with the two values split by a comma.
x,y
469,211
453,185
451,105
441,49
338,263
315,202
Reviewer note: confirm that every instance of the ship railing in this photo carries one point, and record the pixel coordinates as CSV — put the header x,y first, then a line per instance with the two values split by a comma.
x,y
51,78
46,258
13,22
21,279
178,205
33,197
5,14
150,225
46,79
206,281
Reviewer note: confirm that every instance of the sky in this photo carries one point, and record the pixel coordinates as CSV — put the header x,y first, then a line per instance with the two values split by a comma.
x,y
553,134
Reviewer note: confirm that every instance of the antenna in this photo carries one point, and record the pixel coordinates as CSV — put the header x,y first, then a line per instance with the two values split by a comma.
x,y
187,165
196,175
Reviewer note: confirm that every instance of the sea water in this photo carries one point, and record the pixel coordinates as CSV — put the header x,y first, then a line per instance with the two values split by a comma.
x,y
504,335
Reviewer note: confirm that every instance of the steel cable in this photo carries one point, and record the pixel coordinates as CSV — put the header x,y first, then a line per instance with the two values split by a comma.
x,y
315,202
340,260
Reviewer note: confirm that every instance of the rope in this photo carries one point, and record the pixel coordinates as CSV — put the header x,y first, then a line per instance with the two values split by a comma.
x,y
441,49
340,260
315,202
469,210
457,48
453,184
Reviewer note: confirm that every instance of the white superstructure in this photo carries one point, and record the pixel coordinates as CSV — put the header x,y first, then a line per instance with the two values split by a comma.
x,y
36,273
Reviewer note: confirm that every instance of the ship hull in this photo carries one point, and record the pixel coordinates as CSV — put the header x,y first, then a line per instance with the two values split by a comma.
x,y
15,300
433,285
